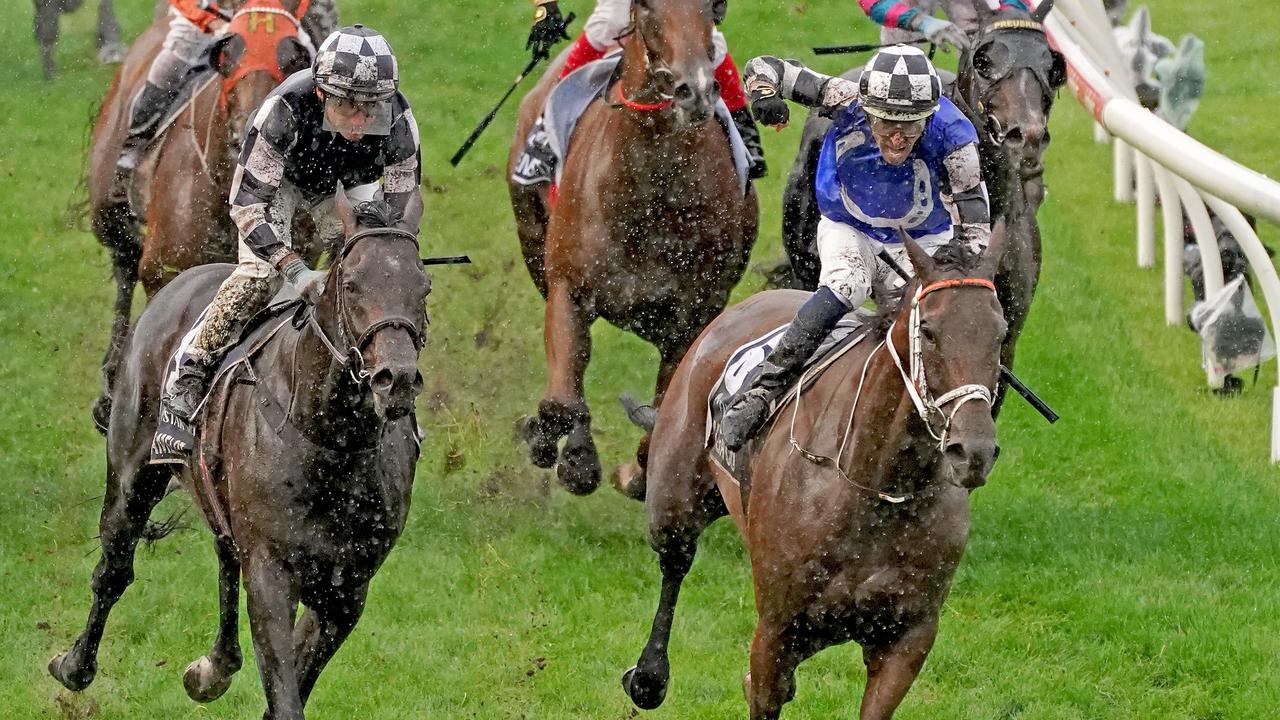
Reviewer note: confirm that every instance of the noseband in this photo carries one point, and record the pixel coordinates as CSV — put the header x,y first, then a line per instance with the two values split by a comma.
x,y
927,406
353,358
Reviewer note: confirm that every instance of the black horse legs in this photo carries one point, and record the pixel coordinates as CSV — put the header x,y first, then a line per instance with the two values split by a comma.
x,y
646,682
130,498
320,632
273,597
207,678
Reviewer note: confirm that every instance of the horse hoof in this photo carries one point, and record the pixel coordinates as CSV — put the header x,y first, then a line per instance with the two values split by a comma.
x,y
101,413
629,480
644,697
579,471
73,679
203,681
112,53
542,452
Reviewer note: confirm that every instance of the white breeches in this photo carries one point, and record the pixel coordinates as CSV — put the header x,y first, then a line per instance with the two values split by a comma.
x,y
851,268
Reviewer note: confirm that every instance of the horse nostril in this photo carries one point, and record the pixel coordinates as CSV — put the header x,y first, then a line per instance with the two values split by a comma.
x,y
683,92
417,383
1014,137
382,381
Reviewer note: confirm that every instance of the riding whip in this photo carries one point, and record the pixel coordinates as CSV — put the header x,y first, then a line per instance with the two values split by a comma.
x,y
1006,375
475,134
864,47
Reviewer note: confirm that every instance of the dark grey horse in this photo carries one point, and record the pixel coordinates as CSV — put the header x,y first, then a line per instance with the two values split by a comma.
x,y
48,12
305,461
1007,86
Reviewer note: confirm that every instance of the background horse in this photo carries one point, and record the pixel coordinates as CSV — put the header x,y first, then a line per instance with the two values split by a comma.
x,y
1015,103
651,230
48,13
857,535
180,187
306,461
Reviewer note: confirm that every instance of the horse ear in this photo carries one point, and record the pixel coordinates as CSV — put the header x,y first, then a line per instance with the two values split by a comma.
x,y
920,260
1042,10
225,54
1057,69
991,257
291,56
346,214
412,219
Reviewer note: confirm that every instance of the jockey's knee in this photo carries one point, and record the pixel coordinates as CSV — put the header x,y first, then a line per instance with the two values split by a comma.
x,y
846,286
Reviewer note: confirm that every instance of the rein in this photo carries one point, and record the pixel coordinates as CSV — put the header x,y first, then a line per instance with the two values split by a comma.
x,y
353,358
916,385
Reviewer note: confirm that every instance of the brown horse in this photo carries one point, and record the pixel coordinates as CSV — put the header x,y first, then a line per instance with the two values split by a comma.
x,y
857,511
181,187
306,461
651,229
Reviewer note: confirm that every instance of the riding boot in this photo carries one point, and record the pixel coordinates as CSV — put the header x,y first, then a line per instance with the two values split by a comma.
x,y
144,118
751,139
815,319
176,433
537,164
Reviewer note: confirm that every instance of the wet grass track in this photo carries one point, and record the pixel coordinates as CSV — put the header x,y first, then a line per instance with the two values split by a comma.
x,y
1123,564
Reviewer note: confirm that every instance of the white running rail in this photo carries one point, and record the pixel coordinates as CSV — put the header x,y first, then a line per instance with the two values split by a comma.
x,y
1154,159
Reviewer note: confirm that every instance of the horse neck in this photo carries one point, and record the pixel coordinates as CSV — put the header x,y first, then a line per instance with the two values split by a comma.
x,y
211,135
327,401
892,449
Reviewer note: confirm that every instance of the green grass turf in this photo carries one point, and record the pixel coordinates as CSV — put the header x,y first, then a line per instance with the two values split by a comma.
x,y
1123,564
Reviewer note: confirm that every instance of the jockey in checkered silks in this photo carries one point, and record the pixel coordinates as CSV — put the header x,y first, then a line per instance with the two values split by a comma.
x,y
609,21
343,121
898,158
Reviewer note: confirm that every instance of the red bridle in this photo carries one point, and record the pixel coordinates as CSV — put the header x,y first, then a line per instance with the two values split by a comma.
x,y
639,106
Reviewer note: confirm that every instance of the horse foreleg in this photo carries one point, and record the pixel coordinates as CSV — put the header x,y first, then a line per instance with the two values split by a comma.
x,y
320,632
207,678
272,594
646,681
771,683
46,31
130,498
563,410
892,667
110,49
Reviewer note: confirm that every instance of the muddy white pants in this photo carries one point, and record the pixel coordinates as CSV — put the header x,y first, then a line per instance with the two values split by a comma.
x,y
851,266
612,17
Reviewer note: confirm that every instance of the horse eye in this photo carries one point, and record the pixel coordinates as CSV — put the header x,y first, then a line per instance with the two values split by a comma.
x,y
927,333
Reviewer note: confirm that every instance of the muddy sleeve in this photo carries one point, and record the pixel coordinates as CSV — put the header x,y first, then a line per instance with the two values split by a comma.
x,y
272,133
790,79
969,195
403,172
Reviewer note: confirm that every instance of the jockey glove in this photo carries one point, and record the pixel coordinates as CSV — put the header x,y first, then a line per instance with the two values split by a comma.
x,y
940,32
768,108
309,283
548,29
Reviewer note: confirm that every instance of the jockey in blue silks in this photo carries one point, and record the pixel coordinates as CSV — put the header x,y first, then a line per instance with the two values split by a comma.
x,y
899,157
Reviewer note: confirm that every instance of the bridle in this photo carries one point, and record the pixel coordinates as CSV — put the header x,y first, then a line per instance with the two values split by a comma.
x,y
656,72
980,87
927,406
355,342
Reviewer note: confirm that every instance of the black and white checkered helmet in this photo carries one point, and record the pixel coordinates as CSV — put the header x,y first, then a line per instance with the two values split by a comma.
x,y
899,83
357,62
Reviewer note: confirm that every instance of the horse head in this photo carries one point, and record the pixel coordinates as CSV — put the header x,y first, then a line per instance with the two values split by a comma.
x,y
671,41
951,326
374,302
263,45
1011,78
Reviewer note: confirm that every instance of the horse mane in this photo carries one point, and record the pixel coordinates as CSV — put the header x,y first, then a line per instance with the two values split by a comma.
x,y
377,214
954,257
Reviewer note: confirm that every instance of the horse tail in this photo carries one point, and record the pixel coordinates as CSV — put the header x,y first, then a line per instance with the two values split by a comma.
x,y
154,531
77,212
642,415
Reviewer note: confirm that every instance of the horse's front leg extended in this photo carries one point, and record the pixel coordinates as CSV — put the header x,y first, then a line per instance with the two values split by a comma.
x,y
563,410
892,667
273,595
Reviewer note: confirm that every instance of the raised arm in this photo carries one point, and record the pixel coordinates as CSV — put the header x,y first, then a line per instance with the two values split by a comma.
x,y
771,81
895,14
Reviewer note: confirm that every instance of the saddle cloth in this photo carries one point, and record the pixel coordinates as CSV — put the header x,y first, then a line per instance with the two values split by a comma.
x,y
572,95
745,365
